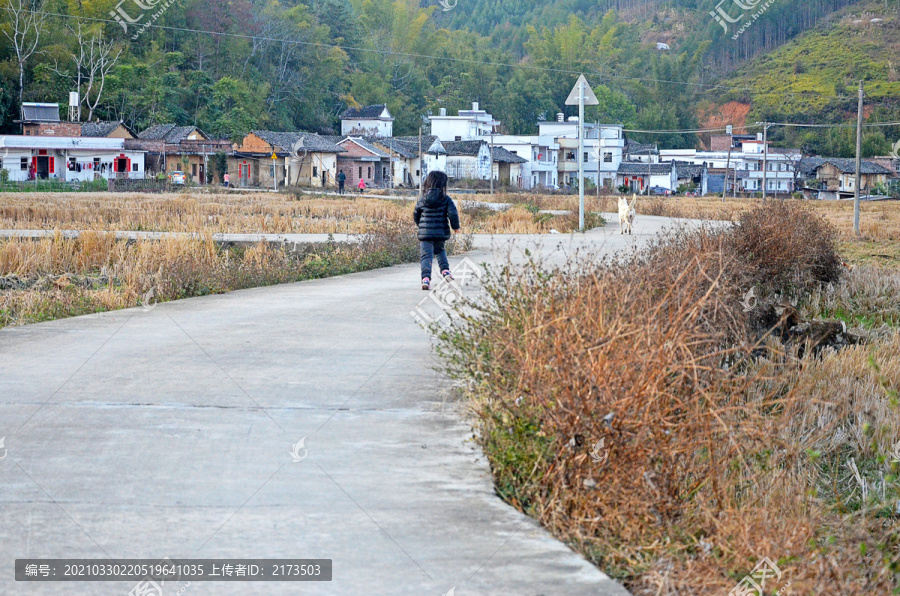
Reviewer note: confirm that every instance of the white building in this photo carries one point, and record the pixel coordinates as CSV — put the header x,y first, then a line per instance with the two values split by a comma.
x,y
69,158
541,153
604,146
367,121
469,125
745,164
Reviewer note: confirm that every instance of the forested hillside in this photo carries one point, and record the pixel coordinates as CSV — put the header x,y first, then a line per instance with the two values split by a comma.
x,y
234,65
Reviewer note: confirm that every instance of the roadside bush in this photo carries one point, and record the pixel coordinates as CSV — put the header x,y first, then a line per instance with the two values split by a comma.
x,y
627,405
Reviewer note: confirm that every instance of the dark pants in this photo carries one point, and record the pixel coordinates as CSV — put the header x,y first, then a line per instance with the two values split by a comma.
x,y
340,188
428,250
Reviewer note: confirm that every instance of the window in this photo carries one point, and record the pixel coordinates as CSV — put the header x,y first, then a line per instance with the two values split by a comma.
x,y
72,164
194,170
570,155
315,171
457,138
23,163
369,172
586,156
607,158
134,167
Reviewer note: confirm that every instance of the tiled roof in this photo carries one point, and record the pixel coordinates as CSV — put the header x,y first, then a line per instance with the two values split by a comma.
x,y
463,147
170,133
364,112
634,148
395,146
848,166
99,129
637,168
430,144
367,146
284,142
809,165
503,155
687,169
40,112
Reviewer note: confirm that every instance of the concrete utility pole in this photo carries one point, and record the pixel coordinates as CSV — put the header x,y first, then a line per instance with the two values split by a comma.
x,y
728,163
859,123
492,163
581,95
581,84
765,160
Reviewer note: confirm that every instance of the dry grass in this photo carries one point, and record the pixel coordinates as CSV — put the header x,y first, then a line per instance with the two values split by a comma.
x,y
878,244
56,277
630,408
241,213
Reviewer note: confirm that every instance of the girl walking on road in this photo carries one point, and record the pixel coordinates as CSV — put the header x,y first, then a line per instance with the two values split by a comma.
x,y
435,215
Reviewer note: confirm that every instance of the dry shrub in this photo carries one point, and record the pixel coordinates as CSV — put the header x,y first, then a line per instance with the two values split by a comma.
x,y
785,246
618,405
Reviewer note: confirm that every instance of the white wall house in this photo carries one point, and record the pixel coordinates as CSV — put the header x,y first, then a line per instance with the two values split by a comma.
x,y
367,121
541,154
69,158
469,125
640,177
604,146
468,160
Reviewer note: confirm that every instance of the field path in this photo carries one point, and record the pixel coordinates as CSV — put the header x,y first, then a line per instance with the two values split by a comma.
x,y
169,432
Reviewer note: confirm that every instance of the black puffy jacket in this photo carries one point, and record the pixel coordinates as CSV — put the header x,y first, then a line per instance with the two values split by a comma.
x,y
435,214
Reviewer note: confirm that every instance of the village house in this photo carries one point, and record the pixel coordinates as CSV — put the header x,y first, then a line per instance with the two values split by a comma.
x,y
640,177
603,148
172,148
693,177
367,121
468,160
469,125
301,159
68,159
835,178
362,160
540,158
434,155
507,167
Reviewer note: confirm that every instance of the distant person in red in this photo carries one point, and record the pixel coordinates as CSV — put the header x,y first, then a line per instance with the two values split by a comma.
x,y
226,178
362,185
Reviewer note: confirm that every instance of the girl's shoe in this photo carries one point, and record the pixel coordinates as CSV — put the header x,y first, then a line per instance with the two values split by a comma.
x,y
426,283
446,275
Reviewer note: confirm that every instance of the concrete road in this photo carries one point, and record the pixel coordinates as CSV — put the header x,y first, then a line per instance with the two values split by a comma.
x,y
172,433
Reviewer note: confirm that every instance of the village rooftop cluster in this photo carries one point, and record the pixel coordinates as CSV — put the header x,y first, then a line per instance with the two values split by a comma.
x,y
468,146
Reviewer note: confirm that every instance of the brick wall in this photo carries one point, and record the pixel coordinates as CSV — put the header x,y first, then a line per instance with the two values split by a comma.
x,y
59,129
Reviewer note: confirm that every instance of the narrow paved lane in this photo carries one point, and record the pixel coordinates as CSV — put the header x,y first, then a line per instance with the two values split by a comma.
x,y
169,432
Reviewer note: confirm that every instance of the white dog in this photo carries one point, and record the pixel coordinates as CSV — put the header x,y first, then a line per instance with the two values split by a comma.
x,y
626,214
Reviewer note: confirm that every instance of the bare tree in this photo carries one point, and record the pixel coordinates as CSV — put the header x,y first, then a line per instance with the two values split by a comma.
x,y
93,59
24,28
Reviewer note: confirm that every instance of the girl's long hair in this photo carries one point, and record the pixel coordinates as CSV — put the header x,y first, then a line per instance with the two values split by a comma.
x,y
435,180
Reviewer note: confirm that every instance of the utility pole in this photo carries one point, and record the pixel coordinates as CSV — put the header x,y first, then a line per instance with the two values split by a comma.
x,y
581,84
728,163
492,162
581,95
765,159
859,123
